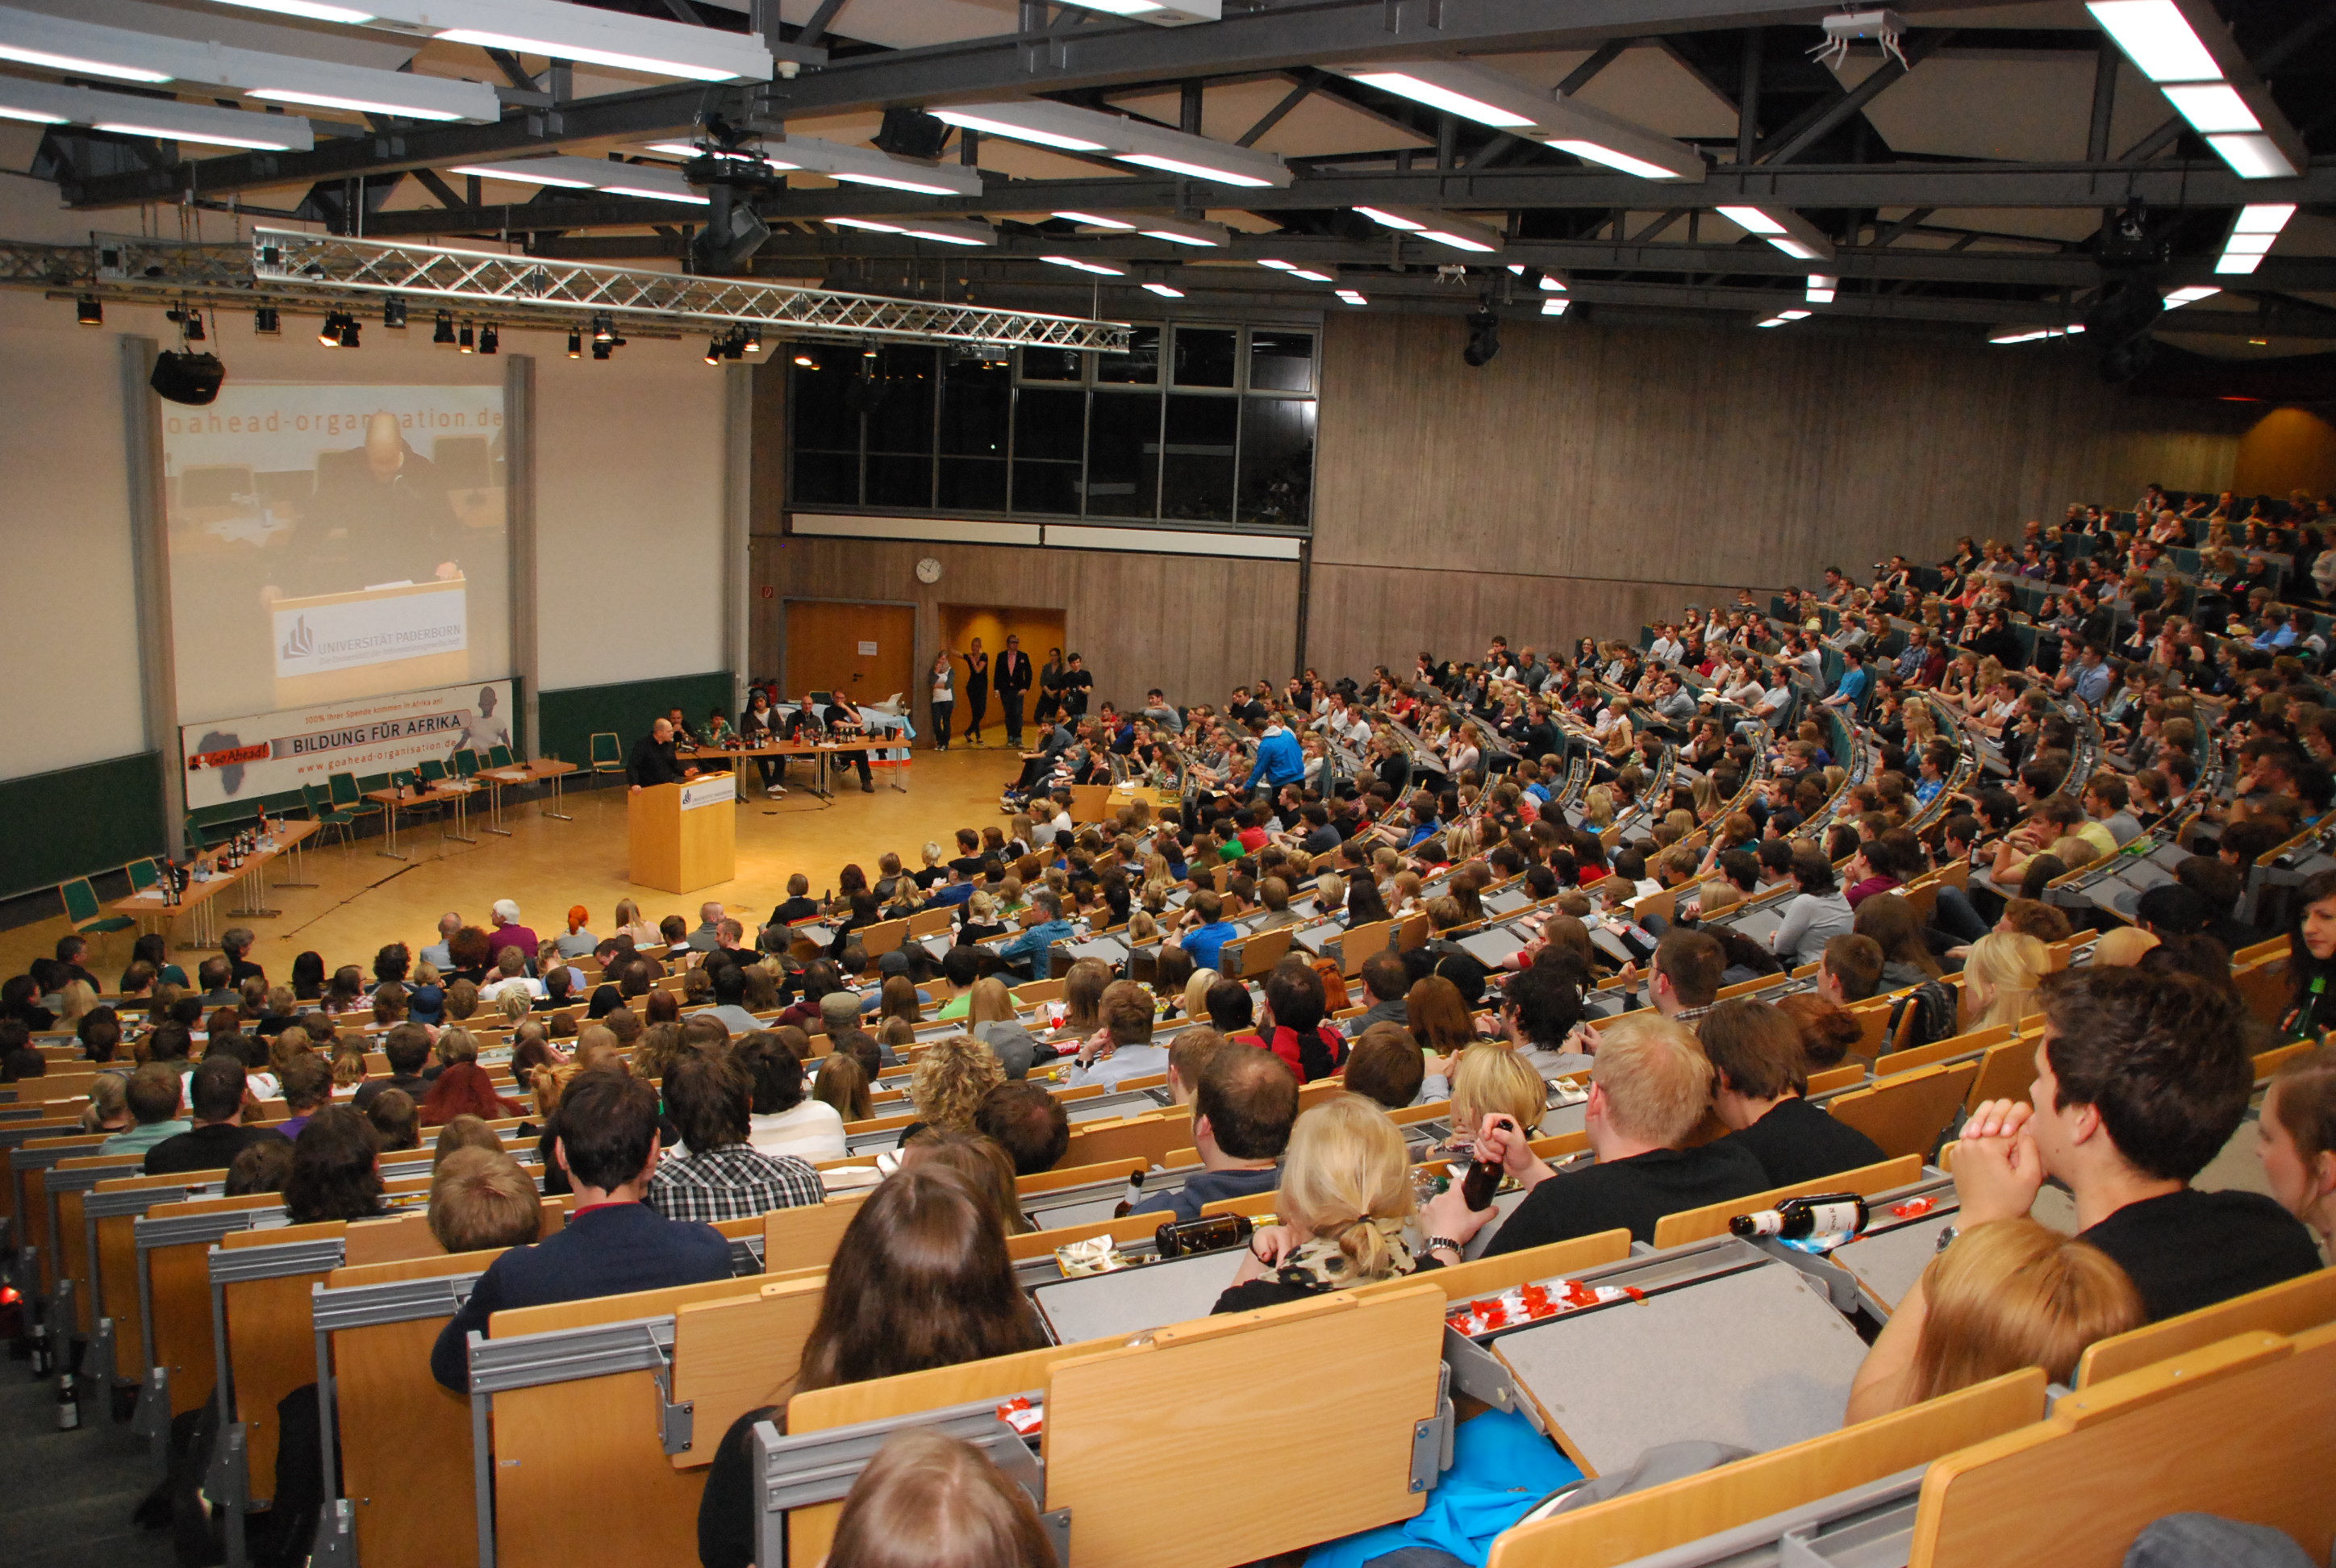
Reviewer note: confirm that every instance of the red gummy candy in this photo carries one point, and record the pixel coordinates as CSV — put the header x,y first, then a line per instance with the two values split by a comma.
x,y
1913,1208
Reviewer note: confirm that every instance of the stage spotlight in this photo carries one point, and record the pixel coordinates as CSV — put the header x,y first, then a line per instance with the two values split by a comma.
x,y
349,329
807,362
445,333
575,345
753,342
604,330
89,311
393,314
266,323
713,351
1484,338
329,331
489,341
600,350
191,324
469,343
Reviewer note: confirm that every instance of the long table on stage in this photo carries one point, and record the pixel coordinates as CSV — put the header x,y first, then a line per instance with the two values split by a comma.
x,y
497,779
201,897
823,751
455,790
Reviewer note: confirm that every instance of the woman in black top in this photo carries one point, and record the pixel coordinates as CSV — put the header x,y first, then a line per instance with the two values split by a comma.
x,y
977,691
2312,959
1346,1196
1050,688
920,1280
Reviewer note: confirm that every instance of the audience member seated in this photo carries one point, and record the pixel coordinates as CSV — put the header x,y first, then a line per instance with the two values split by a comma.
x,y
2140,1081
1294,1026
1189,1056
605,1137
2299,1139
719,1174
2005,1295
1386,1066
480,1200
1813,916
1649,1087
1241,1115
930,1500
407,1046
1760,1074
152,1096
1489,1081
263,1167
1123,1047
1026,1121
465,1088
335,1169
950,1080
1346,1197
785,1120
921,1279
216,1095
2000,976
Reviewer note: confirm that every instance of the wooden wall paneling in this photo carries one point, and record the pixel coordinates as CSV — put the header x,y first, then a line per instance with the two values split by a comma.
x,y
1622,453
1194,626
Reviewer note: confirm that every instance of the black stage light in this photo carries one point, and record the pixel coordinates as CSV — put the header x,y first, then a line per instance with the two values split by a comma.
x,y
489,339
575,345
1484,338
329,331
393,314
445,333
266,323
604,330
349,330
470,343
185,376
89,311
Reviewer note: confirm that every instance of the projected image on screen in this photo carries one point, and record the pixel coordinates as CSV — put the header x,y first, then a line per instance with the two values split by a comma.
x,y
334,543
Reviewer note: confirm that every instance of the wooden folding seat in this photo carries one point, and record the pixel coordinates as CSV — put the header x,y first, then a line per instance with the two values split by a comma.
x,y
1907,1114
2290,1306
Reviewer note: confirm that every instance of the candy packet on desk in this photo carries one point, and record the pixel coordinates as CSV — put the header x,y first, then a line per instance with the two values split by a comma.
x,y
1532,1303
1095,1255
1025,1418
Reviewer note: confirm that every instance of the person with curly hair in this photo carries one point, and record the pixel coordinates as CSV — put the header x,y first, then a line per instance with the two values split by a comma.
x,y
952,1078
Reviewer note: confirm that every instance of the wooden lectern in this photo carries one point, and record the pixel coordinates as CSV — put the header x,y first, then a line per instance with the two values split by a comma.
x,y
685,836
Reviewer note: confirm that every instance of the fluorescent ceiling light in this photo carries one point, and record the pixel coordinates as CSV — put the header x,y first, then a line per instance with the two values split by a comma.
x,y
1444,228
2033,333
1042,125
2238,261
654,195
2157,38
2253,157
1165,291
868,223
2190,296
53,104
75,65
1180,231
309,10
1783,228
1100,268
1386,220
526,172
1309,275
1168,164
2249,244
1772,321
2263,217
2210,106
1159,13
866,166
64,43
654,46
1406,84
1554,306
1822,288
1792,314
1508,104
941,231
1352,296
1277,264
1099,221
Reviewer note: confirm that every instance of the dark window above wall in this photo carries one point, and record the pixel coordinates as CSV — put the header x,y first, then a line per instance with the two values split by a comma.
x,y
1196,425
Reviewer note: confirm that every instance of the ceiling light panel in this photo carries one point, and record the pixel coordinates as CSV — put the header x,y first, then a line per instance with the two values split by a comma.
x,y
558,31
47,102
1159,13
1504,102
1783,228
1443,228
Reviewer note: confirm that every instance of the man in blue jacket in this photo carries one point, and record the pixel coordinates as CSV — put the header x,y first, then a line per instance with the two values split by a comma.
x,y
1046,928
1279,759
605,1137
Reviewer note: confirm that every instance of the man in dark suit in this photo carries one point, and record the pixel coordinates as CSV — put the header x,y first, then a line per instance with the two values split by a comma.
x,y
654,759
605,1137
1012,679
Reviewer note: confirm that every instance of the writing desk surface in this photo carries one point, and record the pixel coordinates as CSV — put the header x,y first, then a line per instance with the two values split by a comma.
x,y
1103,1305
1757,1358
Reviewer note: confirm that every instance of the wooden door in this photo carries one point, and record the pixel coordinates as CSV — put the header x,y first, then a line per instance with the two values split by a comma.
x,y
1039,630
835,645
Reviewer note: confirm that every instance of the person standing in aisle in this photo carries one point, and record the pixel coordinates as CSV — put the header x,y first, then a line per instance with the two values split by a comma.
x,y
944,678
1050,688
1013,688
977,691
1077,683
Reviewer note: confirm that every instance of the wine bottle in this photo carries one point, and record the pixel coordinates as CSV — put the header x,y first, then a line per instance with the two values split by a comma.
x,y
1477,1187
1134,1195
1823,1215
68,1403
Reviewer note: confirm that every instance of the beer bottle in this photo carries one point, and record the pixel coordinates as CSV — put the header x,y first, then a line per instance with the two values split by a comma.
x,y
1824,1214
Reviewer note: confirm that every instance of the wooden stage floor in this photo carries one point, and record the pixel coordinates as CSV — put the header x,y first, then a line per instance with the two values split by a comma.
x,y
364,901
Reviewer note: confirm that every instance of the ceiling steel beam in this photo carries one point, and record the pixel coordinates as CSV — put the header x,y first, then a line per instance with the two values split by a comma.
x,y
1104,55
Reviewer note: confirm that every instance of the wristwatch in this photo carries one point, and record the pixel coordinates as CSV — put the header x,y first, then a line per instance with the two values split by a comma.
x,y
1440,1243
1947,1238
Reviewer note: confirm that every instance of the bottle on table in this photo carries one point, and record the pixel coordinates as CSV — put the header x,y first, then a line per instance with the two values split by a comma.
x,y
1796,1219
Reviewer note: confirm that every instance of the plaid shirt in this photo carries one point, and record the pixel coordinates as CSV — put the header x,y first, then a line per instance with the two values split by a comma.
x,y
732,1183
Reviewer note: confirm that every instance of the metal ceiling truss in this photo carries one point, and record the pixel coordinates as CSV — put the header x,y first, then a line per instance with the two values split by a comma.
x,y
317,272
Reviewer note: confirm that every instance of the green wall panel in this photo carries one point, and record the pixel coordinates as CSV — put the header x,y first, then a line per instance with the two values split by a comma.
x,y
566,720
79,821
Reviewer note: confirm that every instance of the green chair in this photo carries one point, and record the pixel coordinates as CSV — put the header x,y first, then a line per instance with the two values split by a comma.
x,y
322,810
142,874
466,764
198,839
348,797
499,757
88,917
607,754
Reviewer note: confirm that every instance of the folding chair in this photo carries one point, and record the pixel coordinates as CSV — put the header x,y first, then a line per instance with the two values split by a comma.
x,y
466,763
142,874
88,916
1906,1114
499,756
323,812
607,754
348,798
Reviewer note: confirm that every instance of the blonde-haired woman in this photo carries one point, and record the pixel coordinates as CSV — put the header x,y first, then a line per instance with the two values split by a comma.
x,y
2007,1294
1493,1080
1999,978
629,923
952,1078
1598,806
1346,1196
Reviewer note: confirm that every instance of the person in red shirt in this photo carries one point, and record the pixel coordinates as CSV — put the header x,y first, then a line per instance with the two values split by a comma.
x,y
1294,1026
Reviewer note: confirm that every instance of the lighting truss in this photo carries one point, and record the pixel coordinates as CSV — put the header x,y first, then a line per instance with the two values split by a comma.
x,y
319,272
